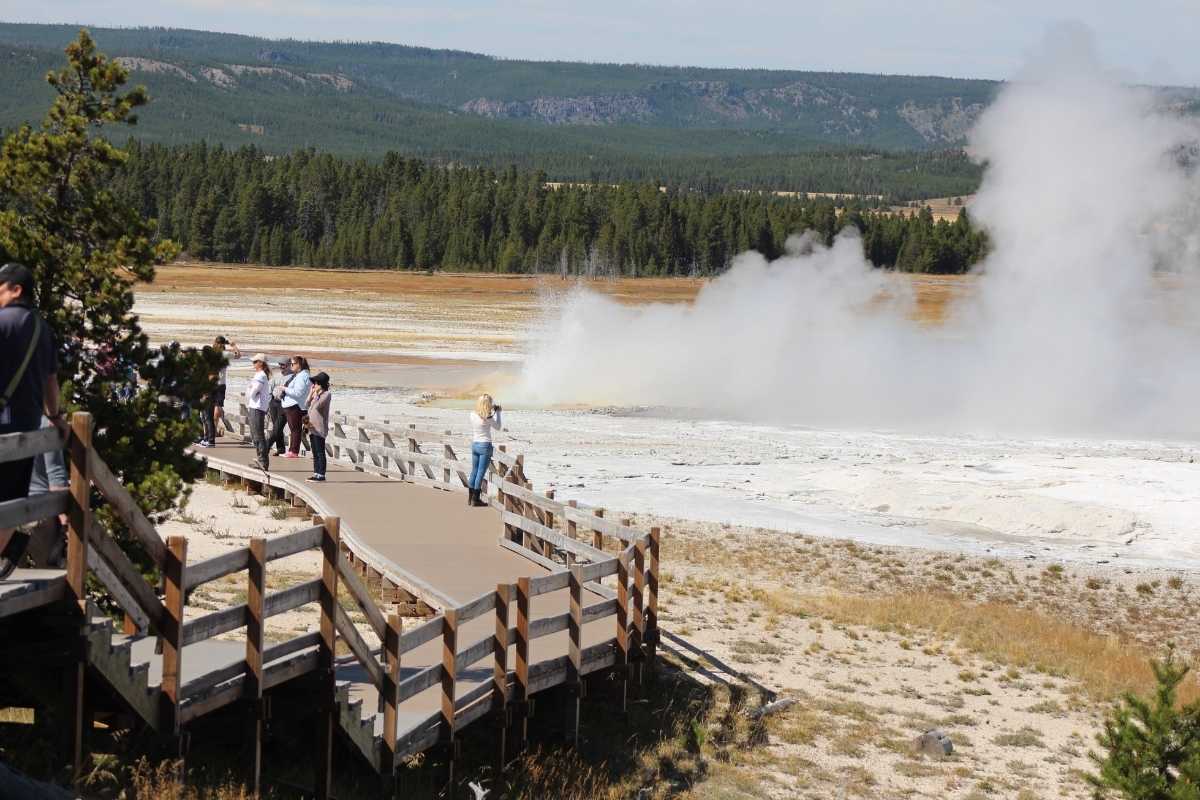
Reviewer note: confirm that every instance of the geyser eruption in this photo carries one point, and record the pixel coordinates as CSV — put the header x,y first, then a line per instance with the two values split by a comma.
x,y
1085,196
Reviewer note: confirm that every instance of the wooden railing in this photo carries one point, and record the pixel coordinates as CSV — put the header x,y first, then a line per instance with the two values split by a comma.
x,y
579,547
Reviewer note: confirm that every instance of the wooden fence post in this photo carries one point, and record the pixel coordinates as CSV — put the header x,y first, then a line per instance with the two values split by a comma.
x,y
522,687
79,509
572,531
326,675
500,673
638,616
412,448
652,608
172,638
622,665
448,454
575,654
449,676
391,693
79,521
598,536
548,521
256,588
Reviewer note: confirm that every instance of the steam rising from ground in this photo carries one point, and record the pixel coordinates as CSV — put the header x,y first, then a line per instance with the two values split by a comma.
x,y
1085,198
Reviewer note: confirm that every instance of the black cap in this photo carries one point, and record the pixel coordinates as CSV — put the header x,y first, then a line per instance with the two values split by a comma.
x,y
321,379
18,275
220,340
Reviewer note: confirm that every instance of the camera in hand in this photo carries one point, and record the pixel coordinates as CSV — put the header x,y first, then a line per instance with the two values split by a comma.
x,y
497,408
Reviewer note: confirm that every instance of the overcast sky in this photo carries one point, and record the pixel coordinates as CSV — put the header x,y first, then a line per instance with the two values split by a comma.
x,y
1149,40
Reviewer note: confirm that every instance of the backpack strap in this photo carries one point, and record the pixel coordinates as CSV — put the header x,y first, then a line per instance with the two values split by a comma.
x,y
20,373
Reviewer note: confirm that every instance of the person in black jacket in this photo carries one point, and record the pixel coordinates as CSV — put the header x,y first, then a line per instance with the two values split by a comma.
x,y
28,389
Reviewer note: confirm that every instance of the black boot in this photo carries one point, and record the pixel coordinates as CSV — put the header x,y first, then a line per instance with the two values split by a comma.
x,y
477,499
470,497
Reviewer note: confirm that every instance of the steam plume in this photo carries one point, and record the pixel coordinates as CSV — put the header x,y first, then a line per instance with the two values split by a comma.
x,y
1087,201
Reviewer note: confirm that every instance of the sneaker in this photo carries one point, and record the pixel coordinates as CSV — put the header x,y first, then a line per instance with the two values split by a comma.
x,y
11,558
258,465
291,455
316,478
205,443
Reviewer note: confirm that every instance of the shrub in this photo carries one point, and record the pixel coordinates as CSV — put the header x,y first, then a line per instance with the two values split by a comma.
x,y
1152,747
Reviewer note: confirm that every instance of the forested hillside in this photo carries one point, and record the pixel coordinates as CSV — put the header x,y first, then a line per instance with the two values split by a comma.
x,y
578,122
319,210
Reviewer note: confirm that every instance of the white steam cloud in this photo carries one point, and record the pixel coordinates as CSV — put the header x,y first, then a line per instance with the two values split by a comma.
x,y
1073,327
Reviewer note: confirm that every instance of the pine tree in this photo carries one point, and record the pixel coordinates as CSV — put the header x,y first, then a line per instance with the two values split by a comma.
x,y
1152,747
86,249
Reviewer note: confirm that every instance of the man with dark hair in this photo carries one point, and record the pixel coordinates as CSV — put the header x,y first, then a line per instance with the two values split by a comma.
x,y
28,388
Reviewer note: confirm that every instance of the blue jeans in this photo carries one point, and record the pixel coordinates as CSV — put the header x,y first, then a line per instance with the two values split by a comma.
x,y
481,456
318,453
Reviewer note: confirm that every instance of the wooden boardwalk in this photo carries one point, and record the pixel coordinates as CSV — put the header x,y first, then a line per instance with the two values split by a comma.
x,y
488,605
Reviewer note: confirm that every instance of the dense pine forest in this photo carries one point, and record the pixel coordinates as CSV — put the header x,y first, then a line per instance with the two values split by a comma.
x,y
315,209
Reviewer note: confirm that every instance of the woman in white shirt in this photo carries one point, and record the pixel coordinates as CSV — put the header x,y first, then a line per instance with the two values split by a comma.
x,y
484,419
258,405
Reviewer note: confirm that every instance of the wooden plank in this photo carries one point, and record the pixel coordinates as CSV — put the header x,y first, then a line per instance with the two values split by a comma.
x,y
210,680
449,667
360,649
327,693
622,654
599,610
476,608
294,645
127,508
256,588
361,596
211,569
474,653
18,446
23,510
298,542
597,523
419,737
292,597
452,456
553,582
214,624
480,692
597,532
210,701
35,594
553,537
125,598
173,632
536,558
425,632
500,640
283,671
638,616
545,626
415,684
521,693
391,687
575,624
652,607
79,511
601,569
127,574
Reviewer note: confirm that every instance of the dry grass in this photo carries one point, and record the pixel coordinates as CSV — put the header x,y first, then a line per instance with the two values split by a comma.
x,y
1004,633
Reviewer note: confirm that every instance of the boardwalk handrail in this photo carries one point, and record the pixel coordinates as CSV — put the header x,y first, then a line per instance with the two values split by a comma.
x,y
575,541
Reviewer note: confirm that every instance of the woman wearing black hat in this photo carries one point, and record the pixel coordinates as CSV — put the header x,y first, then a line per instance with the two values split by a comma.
x,y
319,399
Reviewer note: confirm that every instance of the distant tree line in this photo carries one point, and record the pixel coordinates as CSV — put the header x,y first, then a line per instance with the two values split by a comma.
x,y
315,209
